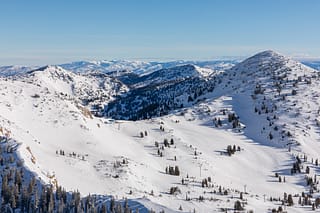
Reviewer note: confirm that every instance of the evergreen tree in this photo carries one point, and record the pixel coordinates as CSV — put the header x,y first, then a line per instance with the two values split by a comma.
x,y
237,206
307,170
290,200
176,171
103,208
112,205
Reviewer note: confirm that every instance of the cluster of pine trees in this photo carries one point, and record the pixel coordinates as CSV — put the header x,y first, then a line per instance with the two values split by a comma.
x,y
232,149
22,192
173,170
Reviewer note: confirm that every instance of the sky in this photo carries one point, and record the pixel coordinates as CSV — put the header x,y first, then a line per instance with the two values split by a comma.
x,y
37,32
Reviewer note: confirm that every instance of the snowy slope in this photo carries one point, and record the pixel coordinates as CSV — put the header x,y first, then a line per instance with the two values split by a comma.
x,y
277,85
89,89
267,107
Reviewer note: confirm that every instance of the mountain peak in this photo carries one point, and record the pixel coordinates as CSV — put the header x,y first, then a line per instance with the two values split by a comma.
x,y
50,69
264,58
267,55
269,52
270,62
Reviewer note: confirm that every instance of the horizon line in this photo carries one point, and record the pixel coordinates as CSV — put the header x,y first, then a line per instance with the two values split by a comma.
x,y
157,59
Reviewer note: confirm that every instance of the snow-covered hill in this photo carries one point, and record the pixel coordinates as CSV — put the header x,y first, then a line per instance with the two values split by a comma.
x,y
207,140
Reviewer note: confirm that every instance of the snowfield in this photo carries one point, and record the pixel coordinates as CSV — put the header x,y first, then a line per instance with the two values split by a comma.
x,y
266,109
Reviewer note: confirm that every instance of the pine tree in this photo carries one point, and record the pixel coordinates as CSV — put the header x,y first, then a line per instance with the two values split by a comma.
x,y
18,179
126,206
51,202
12,199
5,190
61,206
317,202
307,170
219,122
300,201
165,142
270,136
176,171
42,202
112,205
171,141
103,208
237,206
290,200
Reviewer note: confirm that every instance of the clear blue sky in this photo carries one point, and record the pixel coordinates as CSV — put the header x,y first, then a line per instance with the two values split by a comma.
x,y
48,32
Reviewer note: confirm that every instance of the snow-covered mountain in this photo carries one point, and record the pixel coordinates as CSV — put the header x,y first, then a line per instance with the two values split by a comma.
x,y
315,64
278,85
110,66
14,70
90,89
190,138
140,67
177,73
162,91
